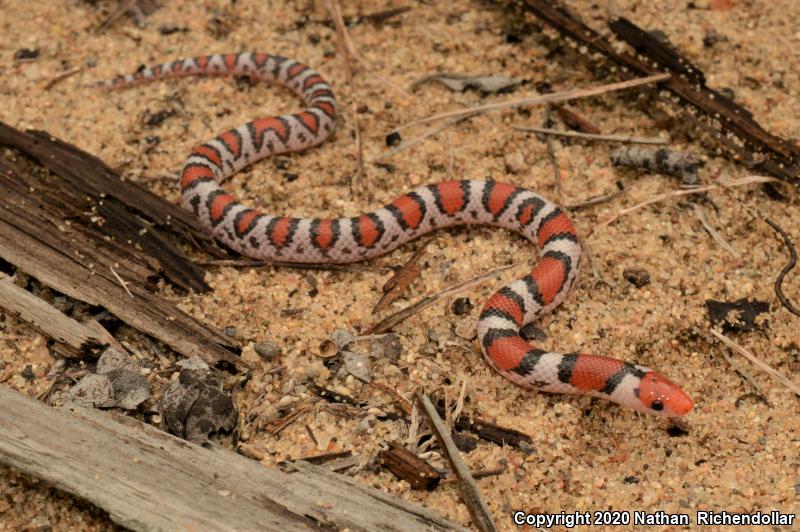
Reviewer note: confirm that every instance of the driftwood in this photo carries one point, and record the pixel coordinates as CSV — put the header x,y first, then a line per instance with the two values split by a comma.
x,y
73,232
148,480
762,150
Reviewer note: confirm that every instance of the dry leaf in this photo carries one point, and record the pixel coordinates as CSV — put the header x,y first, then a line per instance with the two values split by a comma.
x,y
489,84
400,281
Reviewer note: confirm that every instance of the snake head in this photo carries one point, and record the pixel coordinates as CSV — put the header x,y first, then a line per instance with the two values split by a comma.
x,y
661,397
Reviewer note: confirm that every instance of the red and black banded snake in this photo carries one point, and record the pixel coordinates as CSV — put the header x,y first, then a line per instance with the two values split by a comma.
x,y
436,206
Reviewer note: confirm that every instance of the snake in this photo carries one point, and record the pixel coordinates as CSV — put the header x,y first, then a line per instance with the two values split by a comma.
x,y
426,208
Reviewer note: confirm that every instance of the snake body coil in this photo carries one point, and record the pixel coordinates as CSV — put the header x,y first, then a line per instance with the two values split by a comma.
x,y
436,206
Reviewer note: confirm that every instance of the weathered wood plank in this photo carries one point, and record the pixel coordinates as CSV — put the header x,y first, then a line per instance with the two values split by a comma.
x,y
115,200
47,319
139,308
79,245
149,480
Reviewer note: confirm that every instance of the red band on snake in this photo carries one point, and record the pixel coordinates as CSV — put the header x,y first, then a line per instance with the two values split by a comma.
x,y
436,206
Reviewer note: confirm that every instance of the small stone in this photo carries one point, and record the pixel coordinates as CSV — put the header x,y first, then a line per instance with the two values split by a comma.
x,y
515,162
267,350
393,139
462,306
27,373
230,331
526,448
727,92
467,328
26,54
465,443
192,363
169,29
638,277
365,424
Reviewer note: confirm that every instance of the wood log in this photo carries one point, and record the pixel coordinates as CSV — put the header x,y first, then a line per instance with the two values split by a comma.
x,y
73,233
48,320
149,480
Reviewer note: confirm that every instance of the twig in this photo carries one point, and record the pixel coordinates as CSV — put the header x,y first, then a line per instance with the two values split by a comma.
x,y
383,16
479,473
551,155
575,121
573,94
592,136
375,18
401,402
318,459
701,215
481,516
745,375
413,142
122,7
311,434
122,283
758,362
336,14
287,420
61,77
791,264
349,51
390,321
596,200
674,193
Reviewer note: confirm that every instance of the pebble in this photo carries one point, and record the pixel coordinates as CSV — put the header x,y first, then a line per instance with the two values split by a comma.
x,y
638,277
267,350
462,306
515,162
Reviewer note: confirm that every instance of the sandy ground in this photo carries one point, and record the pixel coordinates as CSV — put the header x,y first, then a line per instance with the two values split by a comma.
x,y
588,455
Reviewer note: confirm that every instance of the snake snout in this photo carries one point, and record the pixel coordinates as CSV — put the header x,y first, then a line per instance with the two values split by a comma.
x,y
662,397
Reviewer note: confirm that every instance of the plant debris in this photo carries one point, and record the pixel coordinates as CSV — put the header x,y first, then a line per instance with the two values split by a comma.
x,y
116,384
736,316
400,281
408,466
487,84
762,150
638,277
195,407
662,160
786,269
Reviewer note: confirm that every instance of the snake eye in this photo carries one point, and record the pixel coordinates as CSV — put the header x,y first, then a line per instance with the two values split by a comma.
x,y
657,405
